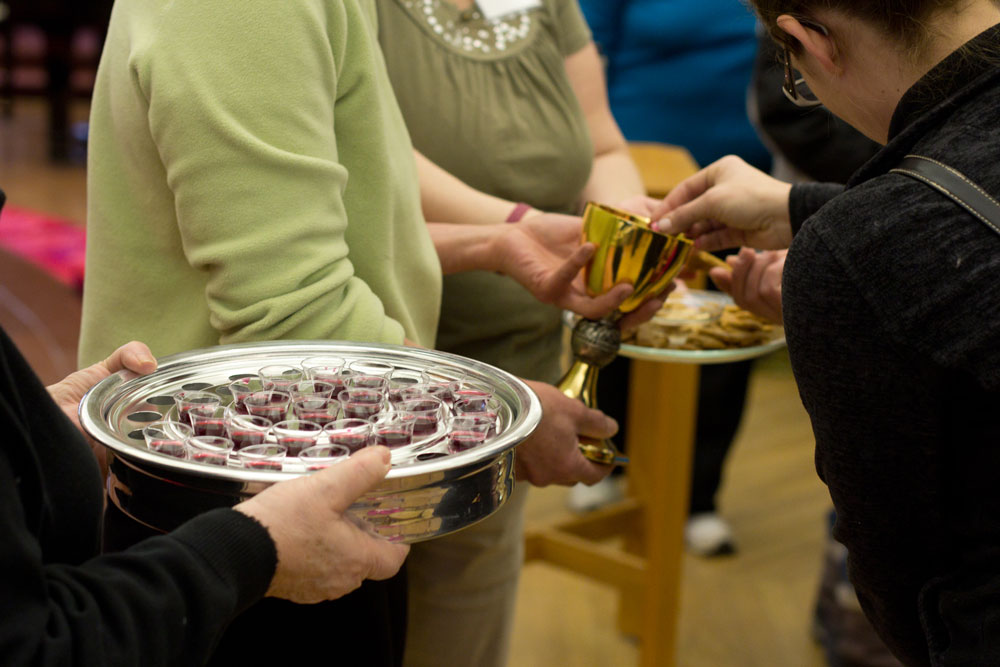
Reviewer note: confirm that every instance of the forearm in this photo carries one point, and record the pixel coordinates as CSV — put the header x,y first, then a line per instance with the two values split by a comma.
x,y
614,177
125,608
466,247
445,198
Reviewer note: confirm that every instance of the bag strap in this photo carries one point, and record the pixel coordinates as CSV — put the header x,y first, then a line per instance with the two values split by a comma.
x,y
954,185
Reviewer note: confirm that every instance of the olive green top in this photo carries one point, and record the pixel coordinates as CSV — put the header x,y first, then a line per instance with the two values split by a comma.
x,y
251,178
491,103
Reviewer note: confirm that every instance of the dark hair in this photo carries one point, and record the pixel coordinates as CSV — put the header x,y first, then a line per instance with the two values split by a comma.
x,y
905,21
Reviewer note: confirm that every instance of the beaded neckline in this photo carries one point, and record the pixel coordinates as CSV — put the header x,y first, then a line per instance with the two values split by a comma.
x,y
468,31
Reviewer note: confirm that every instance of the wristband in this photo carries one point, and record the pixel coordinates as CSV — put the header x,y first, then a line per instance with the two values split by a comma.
x,y
518,212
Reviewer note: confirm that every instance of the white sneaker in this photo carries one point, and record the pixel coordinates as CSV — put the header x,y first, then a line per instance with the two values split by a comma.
x,y
583,498
707,534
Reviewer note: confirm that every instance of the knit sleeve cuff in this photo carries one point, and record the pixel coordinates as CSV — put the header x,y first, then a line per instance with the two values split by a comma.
x,y
237,547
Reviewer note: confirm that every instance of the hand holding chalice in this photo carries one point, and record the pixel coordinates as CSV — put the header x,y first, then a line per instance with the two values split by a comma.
x,y
627,251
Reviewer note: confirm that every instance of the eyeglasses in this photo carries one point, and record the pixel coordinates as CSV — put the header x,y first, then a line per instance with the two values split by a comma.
x,y
796,89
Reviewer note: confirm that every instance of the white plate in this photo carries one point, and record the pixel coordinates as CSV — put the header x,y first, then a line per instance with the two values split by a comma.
x,y
670,355
728,355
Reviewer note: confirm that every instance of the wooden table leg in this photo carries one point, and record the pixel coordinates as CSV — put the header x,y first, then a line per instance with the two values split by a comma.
x,y
662,405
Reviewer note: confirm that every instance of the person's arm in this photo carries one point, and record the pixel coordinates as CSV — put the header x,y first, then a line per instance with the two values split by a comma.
x,y
445,198
241,106
614,177
605,18
166,600
728,204
542,253
163,603
551,455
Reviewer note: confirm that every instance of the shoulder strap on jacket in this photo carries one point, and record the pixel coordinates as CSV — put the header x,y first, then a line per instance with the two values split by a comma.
x,y
954,185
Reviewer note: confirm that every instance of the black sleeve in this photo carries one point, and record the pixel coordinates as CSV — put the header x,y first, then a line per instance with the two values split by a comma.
x,y
807,198
884,496
163,602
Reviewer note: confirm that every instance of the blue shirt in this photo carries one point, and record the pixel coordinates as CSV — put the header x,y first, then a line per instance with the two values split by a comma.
x,y
678,73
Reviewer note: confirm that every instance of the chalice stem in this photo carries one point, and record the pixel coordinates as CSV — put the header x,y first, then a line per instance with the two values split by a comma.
x,y
580,383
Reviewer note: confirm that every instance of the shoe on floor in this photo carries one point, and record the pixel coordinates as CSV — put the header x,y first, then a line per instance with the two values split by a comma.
x,y
583,498
707,534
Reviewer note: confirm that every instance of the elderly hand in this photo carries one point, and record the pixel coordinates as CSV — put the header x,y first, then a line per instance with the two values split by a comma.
x,y
728,204
552,454
68,392
755,281
544,254
322,554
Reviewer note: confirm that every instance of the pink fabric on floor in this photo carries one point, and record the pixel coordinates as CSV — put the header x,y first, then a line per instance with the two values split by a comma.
x,y
55,245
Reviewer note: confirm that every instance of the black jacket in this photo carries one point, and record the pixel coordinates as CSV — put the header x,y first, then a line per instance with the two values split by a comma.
x,y
892,308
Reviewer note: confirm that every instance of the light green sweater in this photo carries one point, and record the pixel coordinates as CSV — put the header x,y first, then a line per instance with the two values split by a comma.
x,y
251,178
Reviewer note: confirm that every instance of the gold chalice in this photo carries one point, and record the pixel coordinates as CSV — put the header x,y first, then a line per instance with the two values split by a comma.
x,y
627,251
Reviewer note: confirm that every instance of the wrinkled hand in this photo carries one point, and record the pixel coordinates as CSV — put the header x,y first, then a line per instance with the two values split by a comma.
x,y
67,393
322,554
544,254
552,454
755,281
728,204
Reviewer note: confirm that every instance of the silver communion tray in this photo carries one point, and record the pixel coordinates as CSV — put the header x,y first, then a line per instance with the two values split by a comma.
x,y
428,492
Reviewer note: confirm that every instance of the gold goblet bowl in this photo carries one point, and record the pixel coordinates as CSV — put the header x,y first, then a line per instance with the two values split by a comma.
x,y
628,251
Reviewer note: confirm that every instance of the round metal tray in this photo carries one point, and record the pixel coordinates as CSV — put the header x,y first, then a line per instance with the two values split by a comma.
x,y
429,491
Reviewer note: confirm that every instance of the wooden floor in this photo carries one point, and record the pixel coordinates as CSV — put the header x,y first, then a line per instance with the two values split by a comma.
x,y
751,609
748,610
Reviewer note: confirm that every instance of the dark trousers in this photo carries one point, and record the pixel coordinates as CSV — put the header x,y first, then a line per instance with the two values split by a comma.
x,y
365,627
